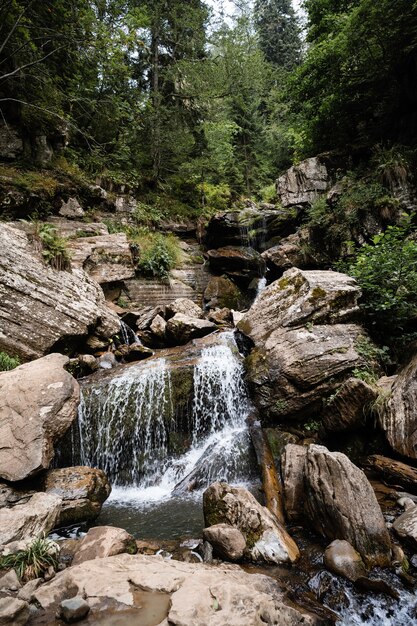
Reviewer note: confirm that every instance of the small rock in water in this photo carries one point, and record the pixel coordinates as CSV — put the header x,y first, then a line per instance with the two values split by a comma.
x,y
228,542
73,610
341,558
377,585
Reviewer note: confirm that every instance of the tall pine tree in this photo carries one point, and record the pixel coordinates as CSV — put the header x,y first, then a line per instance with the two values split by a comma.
x,y
278,31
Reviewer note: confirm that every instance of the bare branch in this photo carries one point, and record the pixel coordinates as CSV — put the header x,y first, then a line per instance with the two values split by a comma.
x,y
22,67
15,25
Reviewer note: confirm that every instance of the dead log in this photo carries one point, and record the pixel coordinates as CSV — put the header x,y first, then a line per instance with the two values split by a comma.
x,y
394,473
270,481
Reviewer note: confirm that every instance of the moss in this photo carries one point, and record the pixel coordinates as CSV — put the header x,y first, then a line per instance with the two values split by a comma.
x,y
283,283
317,294
252,537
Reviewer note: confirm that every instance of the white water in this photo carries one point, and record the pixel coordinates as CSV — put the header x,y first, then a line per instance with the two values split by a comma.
x,y
134,454
128,335
379,610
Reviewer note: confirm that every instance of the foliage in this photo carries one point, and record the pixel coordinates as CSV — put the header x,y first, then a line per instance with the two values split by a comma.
x,y
52,246
34,561
386,271
367,374
158,253
8,362
278,31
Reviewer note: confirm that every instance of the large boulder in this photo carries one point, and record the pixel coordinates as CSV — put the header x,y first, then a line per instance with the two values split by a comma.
x,y
292,251
243,264
181,328
103,541
398,416
337,500
221,292
38,403
297,367
266,539
40,306
82,490
348,407
34,518
185,594
185,307
300,298
303,183
105,258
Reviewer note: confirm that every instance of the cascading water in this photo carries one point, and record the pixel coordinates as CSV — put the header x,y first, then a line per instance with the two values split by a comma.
x,y
126,426
127,334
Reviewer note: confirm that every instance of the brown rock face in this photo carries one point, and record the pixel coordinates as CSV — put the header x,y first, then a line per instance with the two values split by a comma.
x,y
398,417
348,408
188,593
266,539
228,542
338,501
221,292
82,489
38,403
106,258
34,518
40,306
104,541
180,329
303,183
242,264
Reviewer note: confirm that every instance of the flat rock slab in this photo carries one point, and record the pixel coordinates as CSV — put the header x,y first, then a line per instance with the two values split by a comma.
x,y
38,403
200,594
36,518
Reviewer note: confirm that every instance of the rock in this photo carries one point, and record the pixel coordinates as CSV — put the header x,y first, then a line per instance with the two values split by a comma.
x,y
103,541
88,362
26,593
348,407
405,526
293,251
277,440
125,204
342,559
241,264
107,361
338,501
393,472
14,611
228,542
220,316
292,468
295,369
137,352
82,490
180,329
71,209
185,307
377,585
73,610
221,292
10,581
74,230
36,518
11,145
398,416
303,183
105,258
266,540
158,327
187,593
40,306
301,297
38,403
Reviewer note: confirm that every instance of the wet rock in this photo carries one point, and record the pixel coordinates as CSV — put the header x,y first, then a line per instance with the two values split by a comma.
x,y
34,518
181,328
194,593
293,251
137,352
228,542
277,440
10,581
394,472
338,501
73,610
405,526
242,264
40,306
376,585
82,490
71,209
303,183
398,416
158,327
292,467
88,362
221,292
14,611
107,361
266,539
104,541
26,593
222,317
301,297
348,407
185,307
342,559
38,404
105,258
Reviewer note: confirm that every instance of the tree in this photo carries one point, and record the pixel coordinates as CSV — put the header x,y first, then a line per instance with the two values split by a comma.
x,y
279,34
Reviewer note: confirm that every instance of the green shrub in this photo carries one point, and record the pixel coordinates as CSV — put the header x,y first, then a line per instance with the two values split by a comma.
x,y
8,362
34,561
386,271
158,253
269,194
52,246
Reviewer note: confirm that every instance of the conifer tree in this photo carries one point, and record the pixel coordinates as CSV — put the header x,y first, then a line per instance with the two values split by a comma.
x,y
278,31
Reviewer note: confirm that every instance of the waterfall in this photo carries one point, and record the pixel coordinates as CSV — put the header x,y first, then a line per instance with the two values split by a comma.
x,y
128,335
126,424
